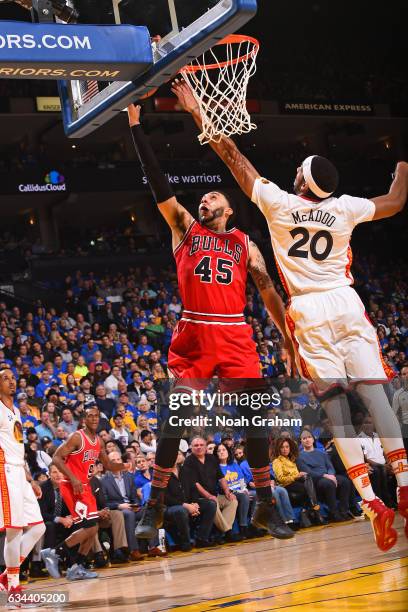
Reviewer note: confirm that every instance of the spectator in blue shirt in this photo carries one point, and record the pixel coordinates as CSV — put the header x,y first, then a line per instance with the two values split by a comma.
x,y
143,348
45,429
329,485
45,384
143,474
37,365
60,436
27,419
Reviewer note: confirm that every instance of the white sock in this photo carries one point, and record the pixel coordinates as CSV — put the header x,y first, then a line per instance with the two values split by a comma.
x,y
349,448
12,556
30,539
388,428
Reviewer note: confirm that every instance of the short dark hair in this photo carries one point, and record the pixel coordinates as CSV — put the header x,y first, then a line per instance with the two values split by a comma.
x,y
144,433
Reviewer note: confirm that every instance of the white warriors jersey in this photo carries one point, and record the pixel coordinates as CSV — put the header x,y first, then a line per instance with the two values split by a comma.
x,y
11,436
310,239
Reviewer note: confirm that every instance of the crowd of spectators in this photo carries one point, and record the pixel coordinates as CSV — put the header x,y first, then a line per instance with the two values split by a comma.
x,y
108,347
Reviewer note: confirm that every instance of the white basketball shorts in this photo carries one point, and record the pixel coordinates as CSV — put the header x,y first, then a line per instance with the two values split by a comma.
x,y
19,506
335,339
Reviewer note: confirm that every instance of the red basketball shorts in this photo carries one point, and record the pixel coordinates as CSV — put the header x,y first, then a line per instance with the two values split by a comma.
x,y
81,507
200,351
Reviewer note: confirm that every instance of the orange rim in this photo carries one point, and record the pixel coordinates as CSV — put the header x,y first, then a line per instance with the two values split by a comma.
x,y
232,38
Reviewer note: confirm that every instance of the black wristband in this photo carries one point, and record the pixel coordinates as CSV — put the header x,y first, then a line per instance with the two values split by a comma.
x,y
157,180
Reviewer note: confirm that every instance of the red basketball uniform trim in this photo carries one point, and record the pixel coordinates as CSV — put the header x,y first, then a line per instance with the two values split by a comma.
x,y
388,371
292,326
4,492
357,470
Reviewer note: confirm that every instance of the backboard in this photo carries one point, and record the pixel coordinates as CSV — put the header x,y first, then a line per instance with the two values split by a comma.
x,y
187,28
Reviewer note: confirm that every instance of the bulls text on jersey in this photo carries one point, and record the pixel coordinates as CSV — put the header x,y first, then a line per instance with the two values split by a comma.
x,y
212,243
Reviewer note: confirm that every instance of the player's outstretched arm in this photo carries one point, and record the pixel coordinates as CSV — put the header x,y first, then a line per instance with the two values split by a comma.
x,y
111,466
272,300
72,444
241,168
177,217
394,201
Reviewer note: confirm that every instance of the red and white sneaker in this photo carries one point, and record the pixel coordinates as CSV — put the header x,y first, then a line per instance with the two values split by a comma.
x,y
3,581
18,598
381,518
13,598
402,497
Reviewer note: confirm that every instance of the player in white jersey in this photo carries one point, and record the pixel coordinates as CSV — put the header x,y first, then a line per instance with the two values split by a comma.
x,y
20,514
336,343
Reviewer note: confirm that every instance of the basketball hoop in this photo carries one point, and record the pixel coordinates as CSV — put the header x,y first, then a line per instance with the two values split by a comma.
x,y
218,80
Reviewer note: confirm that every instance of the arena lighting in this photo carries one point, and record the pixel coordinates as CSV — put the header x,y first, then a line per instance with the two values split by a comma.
x,y
61,9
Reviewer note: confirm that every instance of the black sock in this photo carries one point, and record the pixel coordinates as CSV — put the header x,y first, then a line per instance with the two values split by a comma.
x,y
66,553
81,559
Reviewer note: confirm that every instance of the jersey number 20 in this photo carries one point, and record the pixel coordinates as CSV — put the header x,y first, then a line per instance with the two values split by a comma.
x,y
323,235
223,268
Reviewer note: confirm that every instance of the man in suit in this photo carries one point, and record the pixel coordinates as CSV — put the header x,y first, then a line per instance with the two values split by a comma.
x,y
58,522
120,493
56,516
108,519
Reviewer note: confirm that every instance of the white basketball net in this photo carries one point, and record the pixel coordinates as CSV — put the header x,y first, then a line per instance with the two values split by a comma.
x,y
220,86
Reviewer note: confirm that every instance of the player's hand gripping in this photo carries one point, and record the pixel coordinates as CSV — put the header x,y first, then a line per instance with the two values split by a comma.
x,y
134,114
184,95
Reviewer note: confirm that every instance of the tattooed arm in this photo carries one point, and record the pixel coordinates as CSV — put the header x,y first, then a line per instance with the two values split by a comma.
x,y
241,168
272,300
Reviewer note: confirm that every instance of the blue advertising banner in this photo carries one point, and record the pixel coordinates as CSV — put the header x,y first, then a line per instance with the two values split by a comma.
x,y
58,51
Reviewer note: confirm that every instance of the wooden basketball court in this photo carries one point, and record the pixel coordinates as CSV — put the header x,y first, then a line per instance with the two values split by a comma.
x,y
334,568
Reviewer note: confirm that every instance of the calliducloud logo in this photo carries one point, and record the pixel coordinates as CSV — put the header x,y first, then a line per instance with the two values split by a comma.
x,y
53,181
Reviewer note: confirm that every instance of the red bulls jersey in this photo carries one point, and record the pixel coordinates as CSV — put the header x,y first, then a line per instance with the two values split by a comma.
x,y
82,462
212,274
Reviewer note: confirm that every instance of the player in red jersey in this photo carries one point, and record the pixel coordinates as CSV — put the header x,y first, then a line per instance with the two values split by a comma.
x,y
212,337
76,460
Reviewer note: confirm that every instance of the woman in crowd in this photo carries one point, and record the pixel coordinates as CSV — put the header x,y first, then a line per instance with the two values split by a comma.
x,y
158,372
142,422
70,389
329,485
299,485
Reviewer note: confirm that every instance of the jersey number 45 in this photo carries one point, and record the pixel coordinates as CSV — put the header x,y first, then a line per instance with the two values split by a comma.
x,y
223,269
